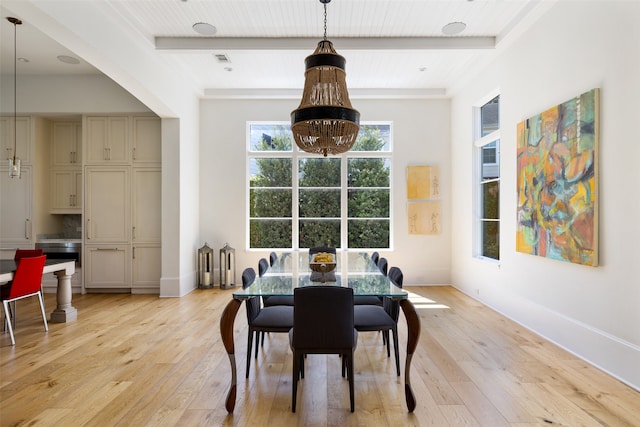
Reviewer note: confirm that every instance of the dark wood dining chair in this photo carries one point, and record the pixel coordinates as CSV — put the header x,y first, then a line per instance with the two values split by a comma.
x,y
323,323
372,318
273,257
263,266
375,256
27,282
263,319
383,265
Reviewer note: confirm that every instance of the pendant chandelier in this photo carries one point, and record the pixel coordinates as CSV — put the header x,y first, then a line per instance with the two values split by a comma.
x,y
14,162
325,122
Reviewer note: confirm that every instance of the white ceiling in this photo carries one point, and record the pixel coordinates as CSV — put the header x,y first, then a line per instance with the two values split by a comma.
x,y
388,44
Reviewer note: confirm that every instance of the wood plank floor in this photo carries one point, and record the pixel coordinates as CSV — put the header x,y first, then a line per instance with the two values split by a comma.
x,y
145,361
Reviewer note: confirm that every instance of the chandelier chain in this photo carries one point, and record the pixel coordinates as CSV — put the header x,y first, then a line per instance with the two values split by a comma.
x,y
325,21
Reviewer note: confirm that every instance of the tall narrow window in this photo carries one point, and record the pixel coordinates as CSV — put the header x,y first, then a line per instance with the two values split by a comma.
x,y
487,145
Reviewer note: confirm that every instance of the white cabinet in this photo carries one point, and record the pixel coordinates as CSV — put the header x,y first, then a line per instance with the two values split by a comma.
x,y
145,200
146,140
66,192
146,268
107,205
107,266
16,208
122,187
66,144
145,230
107,140
23,142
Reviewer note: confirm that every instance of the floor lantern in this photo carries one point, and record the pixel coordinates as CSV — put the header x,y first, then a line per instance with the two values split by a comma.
x,y
227,267
205,267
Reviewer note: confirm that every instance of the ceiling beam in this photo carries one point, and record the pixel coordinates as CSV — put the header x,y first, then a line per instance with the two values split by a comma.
x,y
187,44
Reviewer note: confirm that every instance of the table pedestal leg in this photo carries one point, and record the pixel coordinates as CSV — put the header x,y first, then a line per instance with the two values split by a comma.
x,y
64,312
226,331
413,334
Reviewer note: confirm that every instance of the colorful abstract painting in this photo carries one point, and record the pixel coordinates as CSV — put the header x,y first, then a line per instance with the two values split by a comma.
x,y
558,180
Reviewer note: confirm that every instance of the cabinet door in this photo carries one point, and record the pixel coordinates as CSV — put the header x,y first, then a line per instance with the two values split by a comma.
x,y
118,140
146,268
146,209
23,141
66,191
106,266
66,144
107,140
16,208
146,140
107,208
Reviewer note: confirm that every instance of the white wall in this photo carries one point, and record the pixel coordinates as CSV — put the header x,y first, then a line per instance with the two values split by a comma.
x,y
420,136
593,312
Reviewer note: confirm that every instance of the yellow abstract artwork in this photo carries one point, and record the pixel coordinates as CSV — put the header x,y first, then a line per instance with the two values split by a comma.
x,y
424,217
423,182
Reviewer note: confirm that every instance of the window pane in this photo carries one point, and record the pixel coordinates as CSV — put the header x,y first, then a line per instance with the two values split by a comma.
x,y
373,138
490,116
491,200
373,172
319,203
269,137
319,172
270,172
270,233
368,234
319,233
369,204
270,203
491,239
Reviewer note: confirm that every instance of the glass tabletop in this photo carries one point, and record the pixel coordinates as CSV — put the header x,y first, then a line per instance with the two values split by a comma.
x,y
353,269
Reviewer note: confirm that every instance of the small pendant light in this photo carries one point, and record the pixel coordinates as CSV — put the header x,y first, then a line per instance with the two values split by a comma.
x,y
14,162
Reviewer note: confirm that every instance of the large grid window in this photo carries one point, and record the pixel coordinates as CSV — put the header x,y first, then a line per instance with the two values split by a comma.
x,y
299,200
487,145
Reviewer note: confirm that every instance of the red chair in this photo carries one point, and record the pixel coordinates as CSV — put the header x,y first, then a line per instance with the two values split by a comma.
x,y
27,253
27,282
23,253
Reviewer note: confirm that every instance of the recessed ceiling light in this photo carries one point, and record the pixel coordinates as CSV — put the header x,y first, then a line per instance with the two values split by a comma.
x,y
422,69
68,59
228,69
204,29
453,28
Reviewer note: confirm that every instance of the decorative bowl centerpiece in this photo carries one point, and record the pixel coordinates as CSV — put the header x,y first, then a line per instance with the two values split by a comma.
x,y
323,262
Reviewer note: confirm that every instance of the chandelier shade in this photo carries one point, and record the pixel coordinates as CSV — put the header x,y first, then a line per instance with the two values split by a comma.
x,y
325,122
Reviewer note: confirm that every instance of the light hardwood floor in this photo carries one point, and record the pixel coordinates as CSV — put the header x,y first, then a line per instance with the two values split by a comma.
x,y
145,361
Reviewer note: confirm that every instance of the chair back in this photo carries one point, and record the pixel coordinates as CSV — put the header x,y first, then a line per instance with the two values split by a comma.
x,y
248,276
383,265
323,318
317,249
396,276
375,256
263,266
27,253
27,279
273,257
252,304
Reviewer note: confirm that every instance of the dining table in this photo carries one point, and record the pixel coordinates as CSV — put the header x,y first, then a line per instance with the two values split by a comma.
x,y
353,269
63,269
